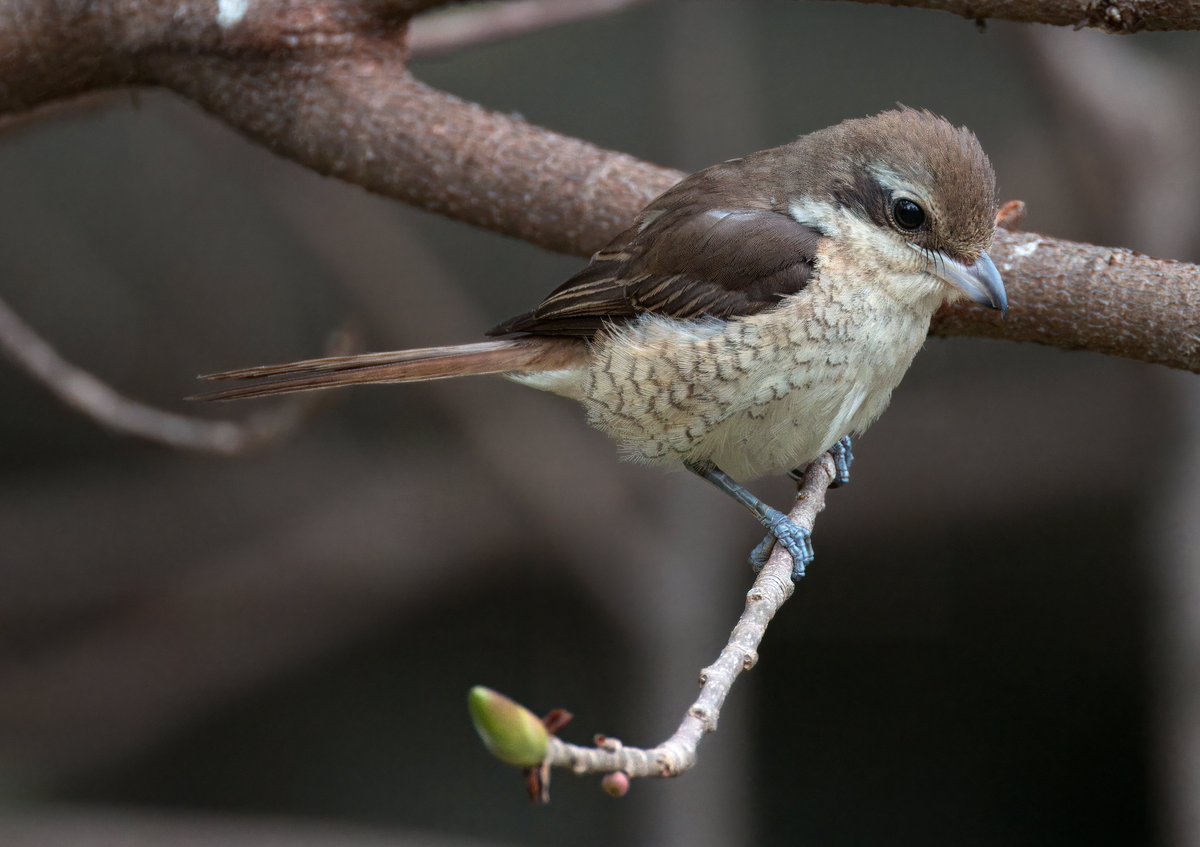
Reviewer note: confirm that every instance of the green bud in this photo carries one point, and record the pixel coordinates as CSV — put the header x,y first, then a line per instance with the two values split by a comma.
x,y
511,732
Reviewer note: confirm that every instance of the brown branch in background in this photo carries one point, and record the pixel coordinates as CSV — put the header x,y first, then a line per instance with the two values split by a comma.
x,y
432,36
1115,16
771,589
114,411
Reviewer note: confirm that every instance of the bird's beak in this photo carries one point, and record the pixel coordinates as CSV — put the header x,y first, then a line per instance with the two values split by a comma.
x,y
980,281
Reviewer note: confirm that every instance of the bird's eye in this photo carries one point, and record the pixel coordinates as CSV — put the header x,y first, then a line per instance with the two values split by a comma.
x,y
907,214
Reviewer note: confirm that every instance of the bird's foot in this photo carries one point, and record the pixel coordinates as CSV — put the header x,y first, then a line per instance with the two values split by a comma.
x,y
843,459
796,540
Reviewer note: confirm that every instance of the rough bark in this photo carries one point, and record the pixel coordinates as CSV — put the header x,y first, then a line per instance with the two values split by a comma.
x,y
1116,16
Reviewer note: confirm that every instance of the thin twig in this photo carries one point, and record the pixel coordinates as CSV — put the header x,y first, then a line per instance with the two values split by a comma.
x,y
770,591
440,34
107,407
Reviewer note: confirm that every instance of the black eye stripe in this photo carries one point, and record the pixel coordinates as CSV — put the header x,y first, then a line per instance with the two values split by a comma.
x,y
907,214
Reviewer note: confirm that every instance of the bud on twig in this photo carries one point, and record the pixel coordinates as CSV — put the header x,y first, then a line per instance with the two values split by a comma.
x,y
615,784
513,734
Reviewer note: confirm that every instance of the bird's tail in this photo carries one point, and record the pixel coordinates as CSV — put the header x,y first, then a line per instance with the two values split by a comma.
x,y
511,355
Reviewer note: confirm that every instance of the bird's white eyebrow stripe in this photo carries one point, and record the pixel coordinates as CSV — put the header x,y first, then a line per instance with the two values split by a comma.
x,y
886,176
892,180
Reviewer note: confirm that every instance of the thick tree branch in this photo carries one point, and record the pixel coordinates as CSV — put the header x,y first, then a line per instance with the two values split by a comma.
x,y
1104,299
325,84
496,171
501,173
1117,16
394,135
770,591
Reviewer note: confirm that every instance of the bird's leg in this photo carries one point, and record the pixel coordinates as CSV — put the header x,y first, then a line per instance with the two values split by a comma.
x,y
794,539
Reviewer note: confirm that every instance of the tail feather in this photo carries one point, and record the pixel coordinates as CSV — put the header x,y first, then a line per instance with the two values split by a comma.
x,y
523,355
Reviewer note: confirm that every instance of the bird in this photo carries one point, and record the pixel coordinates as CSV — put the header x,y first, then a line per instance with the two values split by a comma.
x,y
753,317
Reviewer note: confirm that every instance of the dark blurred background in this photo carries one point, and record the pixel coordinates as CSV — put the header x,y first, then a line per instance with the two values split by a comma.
x,y
996,645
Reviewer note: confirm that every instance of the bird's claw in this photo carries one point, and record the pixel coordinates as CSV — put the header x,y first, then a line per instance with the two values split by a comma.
x,y
762,552
796,540
843,458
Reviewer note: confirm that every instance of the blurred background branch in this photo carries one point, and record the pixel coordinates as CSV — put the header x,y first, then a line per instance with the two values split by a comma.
x,y
108,408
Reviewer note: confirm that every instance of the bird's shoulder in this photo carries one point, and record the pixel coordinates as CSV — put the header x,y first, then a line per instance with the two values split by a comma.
x,y
717,244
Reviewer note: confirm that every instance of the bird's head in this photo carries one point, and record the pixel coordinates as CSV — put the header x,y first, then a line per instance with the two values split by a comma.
x,y
912,191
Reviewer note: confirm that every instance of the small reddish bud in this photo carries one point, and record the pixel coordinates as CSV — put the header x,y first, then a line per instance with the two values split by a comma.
x,y
615,784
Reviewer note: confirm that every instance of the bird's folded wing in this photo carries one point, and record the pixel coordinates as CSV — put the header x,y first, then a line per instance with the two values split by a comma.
x,y
686,258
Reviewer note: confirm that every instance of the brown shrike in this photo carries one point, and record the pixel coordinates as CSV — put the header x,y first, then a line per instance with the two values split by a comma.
x,y
753,317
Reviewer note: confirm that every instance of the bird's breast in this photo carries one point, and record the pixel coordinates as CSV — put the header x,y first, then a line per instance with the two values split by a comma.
x,y
755,395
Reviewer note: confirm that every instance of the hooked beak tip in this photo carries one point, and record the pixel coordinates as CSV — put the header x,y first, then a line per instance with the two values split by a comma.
x,y
981,281
992,283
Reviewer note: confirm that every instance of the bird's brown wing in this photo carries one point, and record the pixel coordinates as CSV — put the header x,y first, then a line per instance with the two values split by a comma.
x,y
682,260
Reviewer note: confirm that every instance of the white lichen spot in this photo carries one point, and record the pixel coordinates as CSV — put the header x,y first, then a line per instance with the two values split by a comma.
x,y
1024,251
230,12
